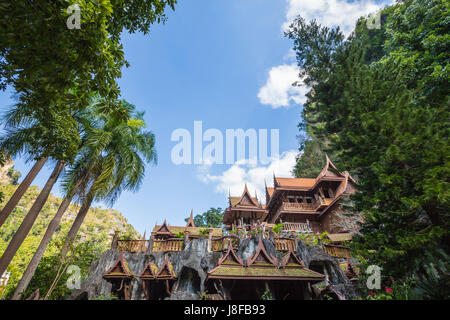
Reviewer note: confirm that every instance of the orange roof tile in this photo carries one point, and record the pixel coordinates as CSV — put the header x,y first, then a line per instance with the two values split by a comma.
x,y
296,182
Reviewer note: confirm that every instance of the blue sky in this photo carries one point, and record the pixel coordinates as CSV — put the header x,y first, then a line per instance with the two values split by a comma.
x,y
226,63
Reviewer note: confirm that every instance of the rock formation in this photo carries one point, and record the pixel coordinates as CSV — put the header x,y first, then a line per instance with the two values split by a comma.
x,y
192,264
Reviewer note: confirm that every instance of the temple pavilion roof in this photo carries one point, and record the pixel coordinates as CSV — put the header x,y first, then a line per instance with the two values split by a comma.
x,y
166,272
262,266
120,269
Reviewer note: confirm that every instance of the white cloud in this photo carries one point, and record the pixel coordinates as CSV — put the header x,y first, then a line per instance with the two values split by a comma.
x,y
234,178
278,90
331,13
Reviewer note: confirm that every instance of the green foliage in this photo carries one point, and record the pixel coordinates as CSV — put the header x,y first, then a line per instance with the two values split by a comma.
x,y
379,100
94,238
14,175
53,69
179,234
313,239
203,232
203,295
386,295
254,230
267,295
277,228
311,161
211,218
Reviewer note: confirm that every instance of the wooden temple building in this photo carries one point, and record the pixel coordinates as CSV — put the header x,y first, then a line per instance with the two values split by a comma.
x,y
300,205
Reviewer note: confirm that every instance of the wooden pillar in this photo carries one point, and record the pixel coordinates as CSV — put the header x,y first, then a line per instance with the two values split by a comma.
x,y
210,232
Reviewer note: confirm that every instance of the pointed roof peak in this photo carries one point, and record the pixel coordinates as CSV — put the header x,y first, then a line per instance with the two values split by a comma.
x,y
290,259
246,197
261,256
163,229
119,269
230,256
150,271
329,164
166,271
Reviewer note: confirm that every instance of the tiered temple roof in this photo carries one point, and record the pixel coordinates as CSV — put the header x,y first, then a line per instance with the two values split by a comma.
x,y
262,266
245,206
119,270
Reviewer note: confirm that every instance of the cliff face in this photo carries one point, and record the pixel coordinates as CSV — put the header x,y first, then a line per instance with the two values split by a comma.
x,y
192,264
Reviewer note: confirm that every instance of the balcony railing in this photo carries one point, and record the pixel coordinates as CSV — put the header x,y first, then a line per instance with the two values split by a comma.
x,y
297,227
167,245
222,244
132,245
282,244
296,206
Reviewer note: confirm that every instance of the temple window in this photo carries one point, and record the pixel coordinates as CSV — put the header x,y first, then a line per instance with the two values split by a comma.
x,y
308,200
326,193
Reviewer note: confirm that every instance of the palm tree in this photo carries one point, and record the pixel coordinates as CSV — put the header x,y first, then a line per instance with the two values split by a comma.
x,y
26,133
109,161
86,119
21,189
30,218
120,166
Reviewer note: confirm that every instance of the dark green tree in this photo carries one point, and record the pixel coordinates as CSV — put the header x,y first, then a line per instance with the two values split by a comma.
x,y
211,218
380,98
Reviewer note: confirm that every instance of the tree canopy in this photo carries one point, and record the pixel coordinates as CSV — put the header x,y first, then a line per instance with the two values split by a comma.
x,y
379,100
210,218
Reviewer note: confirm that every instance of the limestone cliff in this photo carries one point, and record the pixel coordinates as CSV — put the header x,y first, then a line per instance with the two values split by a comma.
x,y
192,264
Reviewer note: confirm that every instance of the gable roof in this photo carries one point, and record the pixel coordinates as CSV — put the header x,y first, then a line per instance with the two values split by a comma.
x,y
190,222
166,272
290,260
162,229
261,257
150,271
263,269
245,200
230,257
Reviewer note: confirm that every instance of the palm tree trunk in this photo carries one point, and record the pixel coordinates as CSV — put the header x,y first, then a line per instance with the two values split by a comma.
x,y
30,218
76,225
53,225
21,189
